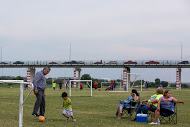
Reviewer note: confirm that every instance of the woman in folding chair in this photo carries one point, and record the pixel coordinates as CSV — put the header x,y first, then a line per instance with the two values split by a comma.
x,y
164,105
125,103
152,103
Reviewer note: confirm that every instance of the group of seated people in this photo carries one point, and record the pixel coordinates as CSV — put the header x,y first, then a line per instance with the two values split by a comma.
x,y
158,103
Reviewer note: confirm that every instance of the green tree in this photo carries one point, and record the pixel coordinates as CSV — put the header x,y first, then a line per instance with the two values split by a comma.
x,y
164,83
173,85
157,81
3,78
49,81
118,80
58,80
138,82
184,86
152,84
86,77
18,78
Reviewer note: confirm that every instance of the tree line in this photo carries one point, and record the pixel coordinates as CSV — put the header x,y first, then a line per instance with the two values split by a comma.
x,y
88,77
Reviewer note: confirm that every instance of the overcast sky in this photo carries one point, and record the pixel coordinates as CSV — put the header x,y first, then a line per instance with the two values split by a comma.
x,y
96,29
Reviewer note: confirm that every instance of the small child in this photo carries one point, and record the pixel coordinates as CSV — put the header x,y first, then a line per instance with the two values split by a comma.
x,y
67,110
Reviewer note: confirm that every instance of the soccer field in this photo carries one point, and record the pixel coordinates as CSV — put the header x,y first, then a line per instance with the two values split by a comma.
x,y
98,110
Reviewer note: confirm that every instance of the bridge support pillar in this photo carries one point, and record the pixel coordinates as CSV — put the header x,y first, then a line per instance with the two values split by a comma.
x,y
178,78
30,75
79,70
126,78
129,77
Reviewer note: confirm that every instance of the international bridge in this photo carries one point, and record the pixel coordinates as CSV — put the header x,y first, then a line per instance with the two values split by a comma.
x,y
127,65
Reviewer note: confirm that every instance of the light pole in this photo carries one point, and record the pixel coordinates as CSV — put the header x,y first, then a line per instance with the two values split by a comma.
x,y
181,51
1,53
2,58
70,53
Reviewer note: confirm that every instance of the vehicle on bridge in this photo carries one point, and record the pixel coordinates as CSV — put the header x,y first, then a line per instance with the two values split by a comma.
x,y
53,62
73,62
80,62
152,62
112,62
18,62
130,62
184,62
98,62
3,63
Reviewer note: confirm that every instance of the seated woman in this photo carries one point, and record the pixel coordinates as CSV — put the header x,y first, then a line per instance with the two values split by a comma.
x,y
144,108
125,103
164,105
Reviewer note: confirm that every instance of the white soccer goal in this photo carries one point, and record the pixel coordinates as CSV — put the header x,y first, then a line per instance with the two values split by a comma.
x,y
135,81
86,85
21,102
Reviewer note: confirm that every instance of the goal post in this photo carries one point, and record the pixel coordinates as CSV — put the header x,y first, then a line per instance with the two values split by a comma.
x,y
133,78
90,85
21,101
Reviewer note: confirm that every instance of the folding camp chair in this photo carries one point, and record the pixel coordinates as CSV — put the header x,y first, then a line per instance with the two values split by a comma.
x,y
169,118
130,109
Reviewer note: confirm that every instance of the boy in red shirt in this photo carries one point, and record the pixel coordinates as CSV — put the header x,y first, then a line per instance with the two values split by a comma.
x,y
95,85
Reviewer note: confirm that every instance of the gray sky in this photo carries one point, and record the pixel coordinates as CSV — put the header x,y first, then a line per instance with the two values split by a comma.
x,y
98,29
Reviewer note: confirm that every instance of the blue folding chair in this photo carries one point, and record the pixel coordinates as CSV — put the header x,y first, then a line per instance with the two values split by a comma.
x,y
169,118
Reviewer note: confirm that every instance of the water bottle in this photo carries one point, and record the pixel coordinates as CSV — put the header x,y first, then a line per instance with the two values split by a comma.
x,y
158,121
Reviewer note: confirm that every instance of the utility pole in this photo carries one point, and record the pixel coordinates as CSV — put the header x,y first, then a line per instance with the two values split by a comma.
x,y
2,58
70,53
181,51
1,54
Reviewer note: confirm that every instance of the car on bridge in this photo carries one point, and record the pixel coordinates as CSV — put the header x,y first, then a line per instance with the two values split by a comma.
x,y
80,62
70,62
130,62
18,62
3,63
184,62
73,62
98,62
152,62
53,62
112,62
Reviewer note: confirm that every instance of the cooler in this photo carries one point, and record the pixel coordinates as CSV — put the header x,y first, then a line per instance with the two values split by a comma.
x,y
141,118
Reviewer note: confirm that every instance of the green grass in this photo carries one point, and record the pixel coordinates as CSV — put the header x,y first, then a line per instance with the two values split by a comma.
x,y
98,110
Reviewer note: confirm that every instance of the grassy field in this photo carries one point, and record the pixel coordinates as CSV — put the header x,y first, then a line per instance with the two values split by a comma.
x,y
98,110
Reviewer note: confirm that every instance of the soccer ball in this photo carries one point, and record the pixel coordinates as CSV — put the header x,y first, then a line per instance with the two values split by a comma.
x,y
41,118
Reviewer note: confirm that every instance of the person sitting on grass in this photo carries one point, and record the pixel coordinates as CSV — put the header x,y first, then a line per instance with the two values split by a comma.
x,y
109,88
164,105
67,110
125,103
144,108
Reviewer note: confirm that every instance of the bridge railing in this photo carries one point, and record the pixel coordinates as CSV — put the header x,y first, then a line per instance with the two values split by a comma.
x,y
96,62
